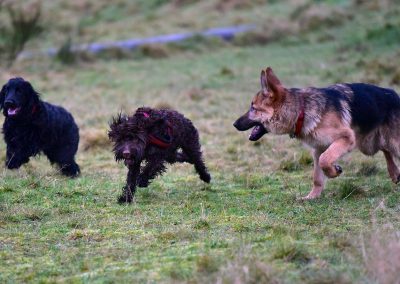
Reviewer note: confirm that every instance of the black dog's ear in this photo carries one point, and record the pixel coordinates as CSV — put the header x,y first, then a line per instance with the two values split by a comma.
x,y
2,96
31,91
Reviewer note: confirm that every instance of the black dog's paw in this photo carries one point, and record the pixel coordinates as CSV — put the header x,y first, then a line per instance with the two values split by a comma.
x,y
206,177
71,170
13,164
142,182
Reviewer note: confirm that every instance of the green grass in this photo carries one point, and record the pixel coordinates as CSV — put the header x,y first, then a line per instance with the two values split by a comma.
x,y
248,225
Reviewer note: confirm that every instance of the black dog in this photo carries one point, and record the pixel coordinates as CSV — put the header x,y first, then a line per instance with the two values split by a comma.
x,y
33,126
154,136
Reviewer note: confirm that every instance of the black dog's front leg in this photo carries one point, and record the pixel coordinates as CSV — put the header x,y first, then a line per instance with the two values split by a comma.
x,y
16,158
154,167
129,189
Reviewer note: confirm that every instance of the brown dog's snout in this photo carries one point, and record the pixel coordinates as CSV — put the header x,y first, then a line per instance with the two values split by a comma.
x,y
126,153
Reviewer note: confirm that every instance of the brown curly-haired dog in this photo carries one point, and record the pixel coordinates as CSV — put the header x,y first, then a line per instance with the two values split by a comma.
x,y
155,136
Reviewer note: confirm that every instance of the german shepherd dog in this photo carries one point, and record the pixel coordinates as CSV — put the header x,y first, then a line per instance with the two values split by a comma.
x,y
332,121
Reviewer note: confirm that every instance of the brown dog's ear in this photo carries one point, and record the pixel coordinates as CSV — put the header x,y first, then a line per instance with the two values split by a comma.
x,y
273,82
263,80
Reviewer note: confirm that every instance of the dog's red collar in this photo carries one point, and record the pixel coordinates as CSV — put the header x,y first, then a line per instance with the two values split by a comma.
x,y
153,140
300,119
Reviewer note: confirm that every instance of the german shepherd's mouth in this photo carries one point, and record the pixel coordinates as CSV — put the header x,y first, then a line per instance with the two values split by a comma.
x,y
243,123
257,132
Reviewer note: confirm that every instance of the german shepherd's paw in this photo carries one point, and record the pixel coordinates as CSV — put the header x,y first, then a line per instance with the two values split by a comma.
x,y
338,169
333,171
309,196
313,194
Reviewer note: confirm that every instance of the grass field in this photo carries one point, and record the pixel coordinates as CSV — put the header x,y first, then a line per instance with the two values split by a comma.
x,y
248,225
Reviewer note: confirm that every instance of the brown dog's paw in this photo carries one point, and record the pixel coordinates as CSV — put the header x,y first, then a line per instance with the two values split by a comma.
x,y
125,198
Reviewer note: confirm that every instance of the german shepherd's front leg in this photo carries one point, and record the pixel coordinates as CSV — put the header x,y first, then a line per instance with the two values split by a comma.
x,y
318,178
345,143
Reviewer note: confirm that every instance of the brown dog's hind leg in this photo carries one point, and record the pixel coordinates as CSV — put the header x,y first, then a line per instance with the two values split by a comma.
x,y
153,168
318,178
393,170
335,151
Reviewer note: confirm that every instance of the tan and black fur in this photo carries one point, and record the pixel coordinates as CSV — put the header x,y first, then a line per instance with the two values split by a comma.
x,y
332,121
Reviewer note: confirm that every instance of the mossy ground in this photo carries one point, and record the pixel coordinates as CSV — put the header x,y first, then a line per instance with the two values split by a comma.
x,y
248,224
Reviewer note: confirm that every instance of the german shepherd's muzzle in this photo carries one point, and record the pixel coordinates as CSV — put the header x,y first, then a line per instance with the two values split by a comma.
x,y
244,123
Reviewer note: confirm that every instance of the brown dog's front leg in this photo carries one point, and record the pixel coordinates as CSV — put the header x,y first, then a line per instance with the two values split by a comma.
x,y
344,144
130,188
318,178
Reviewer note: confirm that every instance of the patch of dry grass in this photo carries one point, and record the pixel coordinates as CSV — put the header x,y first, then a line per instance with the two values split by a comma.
x,y
94,138
381,254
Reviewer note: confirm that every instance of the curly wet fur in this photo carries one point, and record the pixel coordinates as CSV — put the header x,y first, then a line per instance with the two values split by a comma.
x,y
130,135
38,127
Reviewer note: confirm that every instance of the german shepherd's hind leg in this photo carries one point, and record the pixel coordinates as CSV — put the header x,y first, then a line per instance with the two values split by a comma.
x,y
393,170
344,144
318,178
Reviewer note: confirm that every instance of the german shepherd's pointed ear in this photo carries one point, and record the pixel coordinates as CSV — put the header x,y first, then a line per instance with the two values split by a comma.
x,y
273,82
264,85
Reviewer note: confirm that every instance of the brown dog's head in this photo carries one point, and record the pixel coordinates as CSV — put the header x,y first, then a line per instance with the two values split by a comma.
x,y
263,106
132,134
129,137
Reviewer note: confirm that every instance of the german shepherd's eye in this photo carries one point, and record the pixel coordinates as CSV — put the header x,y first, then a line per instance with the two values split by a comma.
x,y
252,108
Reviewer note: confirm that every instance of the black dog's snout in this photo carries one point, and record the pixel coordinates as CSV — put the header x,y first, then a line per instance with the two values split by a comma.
x,y
9,103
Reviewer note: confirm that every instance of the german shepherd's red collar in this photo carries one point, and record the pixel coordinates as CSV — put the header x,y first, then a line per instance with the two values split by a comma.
x,y
332,121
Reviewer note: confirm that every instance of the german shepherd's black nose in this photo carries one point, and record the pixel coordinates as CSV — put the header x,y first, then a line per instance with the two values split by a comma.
x,y
243,123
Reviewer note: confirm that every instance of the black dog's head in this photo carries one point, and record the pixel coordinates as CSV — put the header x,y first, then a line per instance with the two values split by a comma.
x,y
132,134
18,98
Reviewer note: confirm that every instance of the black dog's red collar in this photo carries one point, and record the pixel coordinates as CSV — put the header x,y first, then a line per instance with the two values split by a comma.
x,y
153,140
300,120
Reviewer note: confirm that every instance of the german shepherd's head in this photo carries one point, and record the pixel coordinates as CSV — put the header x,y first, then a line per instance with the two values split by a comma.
x,y
262,112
